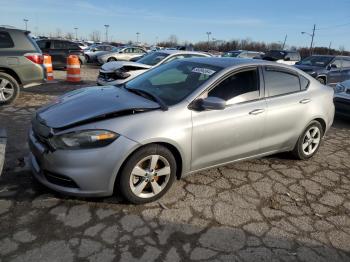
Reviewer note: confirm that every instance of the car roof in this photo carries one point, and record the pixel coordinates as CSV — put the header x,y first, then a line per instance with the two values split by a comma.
x,y
171,52
226,62
11,28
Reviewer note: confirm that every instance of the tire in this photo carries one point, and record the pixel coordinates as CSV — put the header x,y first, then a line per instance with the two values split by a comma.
x,y
111,59
136,181
9,89
87,59
321,80
312,141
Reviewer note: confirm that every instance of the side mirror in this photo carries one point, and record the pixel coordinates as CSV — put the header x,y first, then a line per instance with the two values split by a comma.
x,y
210,103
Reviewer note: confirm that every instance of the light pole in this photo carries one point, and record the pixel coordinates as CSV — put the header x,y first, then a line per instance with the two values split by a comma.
x,y
137,37
76,33
26,23
284,42
106,26
208,33
312,37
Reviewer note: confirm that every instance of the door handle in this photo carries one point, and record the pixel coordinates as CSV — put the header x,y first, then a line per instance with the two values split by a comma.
x,y
257,112
305,101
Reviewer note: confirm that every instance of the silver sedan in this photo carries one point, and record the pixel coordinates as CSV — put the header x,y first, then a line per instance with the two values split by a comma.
x,y
176,119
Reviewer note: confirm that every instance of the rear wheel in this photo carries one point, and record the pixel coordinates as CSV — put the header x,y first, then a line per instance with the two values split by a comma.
x,y
9,89
321,80
111,59
309,141
147,175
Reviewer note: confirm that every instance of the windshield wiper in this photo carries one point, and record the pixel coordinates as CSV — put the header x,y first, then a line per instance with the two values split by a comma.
x,y
155,98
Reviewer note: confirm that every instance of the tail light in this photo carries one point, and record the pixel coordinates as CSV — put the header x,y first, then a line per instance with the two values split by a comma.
x,y
36,58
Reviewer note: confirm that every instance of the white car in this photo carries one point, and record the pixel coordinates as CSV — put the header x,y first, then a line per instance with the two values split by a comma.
x,y
342,99
282,56
116,73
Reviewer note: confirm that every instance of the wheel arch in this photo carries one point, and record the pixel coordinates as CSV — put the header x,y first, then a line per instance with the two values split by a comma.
x,y
12,73
173,149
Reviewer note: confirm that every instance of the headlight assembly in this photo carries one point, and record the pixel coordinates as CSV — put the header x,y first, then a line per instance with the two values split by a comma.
x,y
83,139
339,88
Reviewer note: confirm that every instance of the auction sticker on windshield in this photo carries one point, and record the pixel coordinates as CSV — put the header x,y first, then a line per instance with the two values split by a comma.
x,y
204,71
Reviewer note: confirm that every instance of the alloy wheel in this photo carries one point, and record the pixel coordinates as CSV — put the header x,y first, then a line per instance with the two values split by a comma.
x,y
7,90
311,140
150,176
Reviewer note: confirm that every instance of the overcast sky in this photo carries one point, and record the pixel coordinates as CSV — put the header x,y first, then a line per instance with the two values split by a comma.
x,y
189,20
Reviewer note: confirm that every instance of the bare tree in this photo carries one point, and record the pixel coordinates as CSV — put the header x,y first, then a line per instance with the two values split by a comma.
x,y
95,36
69,36
58,33
173,40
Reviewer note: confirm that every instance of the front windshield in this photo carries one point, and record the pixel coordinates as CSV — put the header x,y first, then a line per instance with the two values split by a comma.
x,y
320,61
174,81
152,58
231,54
275,54
116,49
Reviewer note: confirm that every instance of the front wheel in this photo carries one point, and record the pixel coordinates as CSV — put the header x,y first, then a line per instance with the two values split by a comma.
x,y
111,59
309,141
321,80
147,175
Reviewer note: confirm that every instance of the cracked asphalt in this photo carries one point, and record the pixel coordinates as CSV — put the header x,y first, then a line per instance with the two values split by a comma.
x,y
270,209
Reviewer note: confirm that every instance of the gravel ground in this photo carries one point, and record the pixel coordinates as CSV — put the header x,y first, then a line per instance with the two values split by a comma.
x,y
270,209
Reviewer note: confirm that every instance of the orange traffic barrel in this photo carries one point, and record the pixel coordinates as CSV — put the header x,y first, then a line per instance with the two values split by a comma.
x,y
73,69
48,67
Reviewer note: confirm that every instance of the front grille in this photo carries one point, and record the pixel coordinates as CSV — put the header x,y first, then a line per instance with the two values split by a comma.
x,y
60,180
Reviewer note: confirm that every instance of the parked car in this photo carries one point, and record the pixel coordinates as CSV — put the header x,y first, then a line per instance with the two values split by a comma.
x,y
21,63
116,73
242,54
342,99
121,54
173,120
327,69
59,50
92,52
282,56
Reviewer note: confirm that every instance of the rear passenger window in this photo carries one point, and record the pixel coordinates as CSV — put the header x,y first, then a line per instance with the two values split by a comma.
x,y
5,40
304,83
280,83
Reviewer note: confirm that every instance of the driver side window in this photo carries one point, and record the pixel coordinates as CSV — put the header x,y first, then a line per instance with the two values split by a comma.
x,y
240,87
337,62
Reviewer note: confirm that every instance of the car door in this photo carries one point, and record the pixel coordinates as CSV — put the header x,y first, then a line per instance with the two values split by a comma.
x,y
287,101
220,136
346,69
335,74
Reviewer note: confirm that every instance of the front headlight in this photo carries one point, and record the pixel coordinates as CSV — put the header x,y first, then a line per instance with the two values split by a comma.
x,y
339,88
83,139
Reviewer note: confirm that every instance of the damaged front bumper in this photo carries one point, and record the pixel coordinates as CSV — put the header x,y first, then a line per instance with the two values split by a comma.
x,y
86,173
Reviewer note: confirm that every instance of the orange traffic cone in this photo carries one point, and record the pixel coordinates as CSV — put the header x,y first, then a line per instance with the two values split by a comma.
x,y
48,67
73,69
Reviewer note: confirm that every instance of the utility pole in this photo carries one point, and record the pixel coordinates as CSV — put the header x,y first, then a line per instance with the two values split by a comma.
x,y
208,33
76,33
284,42
329,47
106,26
137,37
26,23
312,39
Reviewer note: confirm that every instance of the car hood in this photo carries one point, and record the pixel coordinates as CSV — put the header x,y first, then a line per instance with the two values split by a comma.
x,y
308,68
112,66
346,83
90,104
